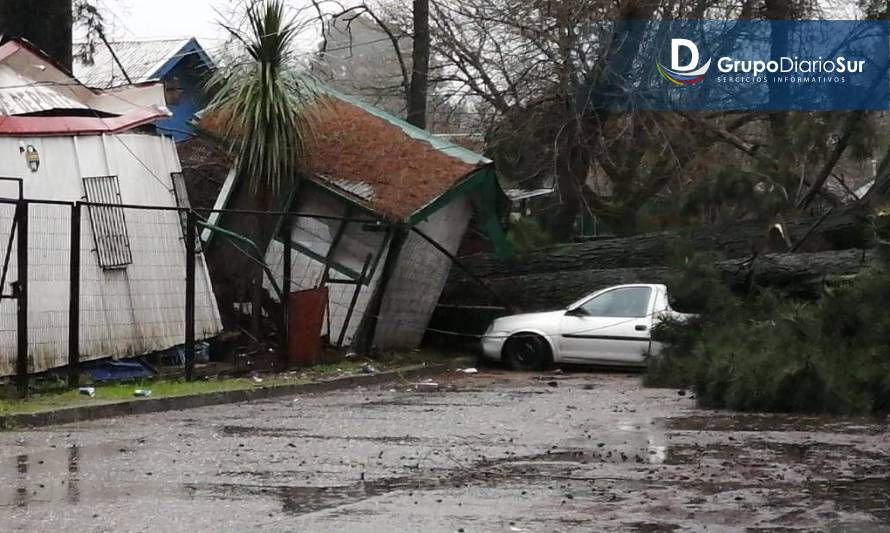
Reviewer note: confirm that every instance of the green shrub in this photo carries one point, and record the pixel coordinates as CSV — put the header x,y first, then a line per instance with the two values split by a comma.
x,y
770,353
527,235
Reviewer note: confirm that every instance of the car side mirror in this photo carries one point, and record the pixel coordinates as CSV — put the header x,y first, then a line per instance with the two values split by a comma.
x,y
577,311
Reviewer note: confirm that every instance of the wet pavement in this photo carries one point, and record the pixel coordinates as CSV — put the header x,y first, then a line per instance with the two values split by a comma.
x,y
491,452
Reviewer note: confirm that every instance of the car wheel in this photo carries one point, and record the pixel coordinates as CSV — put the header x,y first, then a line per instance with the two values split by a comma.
x,y
526,352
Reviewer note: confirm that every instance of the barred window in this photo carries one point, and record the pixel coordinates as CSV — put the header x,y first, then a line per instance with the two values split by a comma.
x,y
108,222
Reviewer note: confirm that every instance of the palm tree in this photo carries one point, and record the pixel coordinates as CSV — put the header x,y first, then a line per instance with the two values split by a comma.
x,y
260,108
262,99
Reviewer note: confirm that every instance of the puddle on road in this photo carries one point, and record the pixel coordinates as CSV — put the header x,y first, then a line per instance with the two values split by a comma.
x,y
771,454
653,527
297,500
250,431
869,495
296,433
780,423
53,476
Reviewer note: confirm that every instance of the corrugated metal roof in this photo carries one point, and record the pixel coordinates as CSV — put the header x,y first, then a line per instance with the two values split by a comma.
x,y
355,188
17,100
141,59
862,191
32,85
383,163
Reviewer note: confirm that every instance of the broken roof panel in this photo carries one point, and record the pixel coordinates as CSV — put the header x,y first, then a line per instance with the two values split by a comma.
x,y
18,98
74,125
143,60
39,97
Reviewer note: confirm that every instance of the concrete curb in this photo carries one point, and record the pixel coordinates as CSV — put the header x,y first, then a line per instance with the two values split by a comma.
x,y
176,403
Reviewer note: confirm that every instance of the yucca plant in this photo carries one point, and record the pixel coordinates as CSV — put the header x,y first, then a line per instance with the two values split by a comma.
x,y
261,100
262,108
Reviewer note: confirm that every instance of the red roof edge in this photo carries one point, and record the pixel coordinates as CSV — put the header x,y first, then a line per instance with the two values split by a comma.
x,y
17,125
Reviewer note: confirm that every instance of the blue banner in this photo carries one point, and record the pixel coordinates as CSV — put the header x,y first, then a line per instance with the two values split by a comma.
x,y
744,65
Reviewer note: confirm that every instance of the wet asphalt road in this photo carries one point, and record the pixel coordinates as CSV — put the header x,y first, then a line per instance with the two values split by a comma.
x,y
493,452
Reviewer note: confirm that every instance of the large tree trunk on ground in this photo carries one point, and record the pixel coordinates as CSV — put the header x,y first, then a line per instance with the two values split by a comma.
x,y
800,274
553,278
841,231
45,23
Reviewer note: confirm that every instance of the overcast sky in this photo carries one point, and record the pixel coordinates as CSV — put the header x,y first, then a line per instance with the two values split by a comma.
x,y
144,19
158,19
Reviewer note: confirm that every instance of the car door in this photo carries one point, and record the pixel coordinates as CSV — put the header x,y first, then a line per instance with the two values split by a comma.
x,y
612,327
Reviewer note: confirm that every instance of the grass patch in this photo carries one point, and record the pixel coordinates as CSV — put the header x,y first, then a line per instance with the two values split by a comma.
x,y
51,395
116,392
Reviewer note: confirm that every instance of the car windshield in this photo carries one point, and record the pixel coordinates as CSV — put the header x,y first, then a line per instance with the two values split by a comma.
x,y
579,302
624,302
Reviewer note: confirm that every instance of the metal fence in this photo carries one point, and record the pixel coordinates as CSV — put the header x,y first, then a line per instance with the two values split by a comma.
x,y
85,280
88,280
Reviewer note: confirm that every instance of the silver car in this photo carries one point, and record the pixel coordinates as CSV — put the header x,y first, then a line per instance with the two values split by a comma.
x,y
612,326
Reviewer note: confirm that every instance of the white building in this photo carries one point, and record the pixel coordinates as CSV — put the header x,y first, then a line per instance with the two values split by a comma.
x,y
67,142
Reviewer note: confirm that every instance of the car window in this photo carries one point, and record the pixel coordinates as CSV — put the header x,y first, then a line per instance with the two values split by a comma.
x,y
661,302
626,302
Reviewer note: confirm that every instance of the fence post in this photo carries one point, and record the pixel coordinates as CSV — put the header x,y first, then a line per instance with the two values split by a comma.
x,y
190,296
74,300
21,365
285,292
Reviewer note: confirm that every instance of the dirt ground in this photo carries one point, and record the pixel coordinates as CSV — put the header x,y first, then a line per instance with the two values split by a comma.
x,y
491,452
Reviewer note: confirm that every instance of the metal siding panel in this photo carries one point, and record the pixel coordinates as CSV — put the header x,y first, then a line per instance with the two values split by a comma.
x,y
420,276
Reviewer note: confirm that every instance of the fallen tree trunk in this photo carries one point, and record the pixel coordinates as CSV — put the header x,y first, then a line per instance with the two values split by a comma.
x,y
798,274
835,232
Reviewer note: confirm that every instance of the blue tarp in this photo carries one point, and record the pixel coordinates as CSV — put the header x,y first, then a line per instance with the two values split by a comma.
x,y
111,370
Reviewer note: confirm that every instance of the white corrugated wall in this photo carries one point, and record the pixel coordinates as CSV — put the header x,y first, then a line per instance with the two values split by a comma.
x,y
419,277
128,311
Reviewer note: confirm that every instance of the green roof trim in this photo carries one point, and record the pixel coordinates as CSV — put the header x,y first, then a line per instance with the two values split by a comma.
x,y
484,190
471,182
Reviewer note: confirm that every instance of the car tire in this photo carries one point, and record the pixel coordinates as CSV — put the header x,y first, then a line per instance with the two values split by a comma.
x,y
526,352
